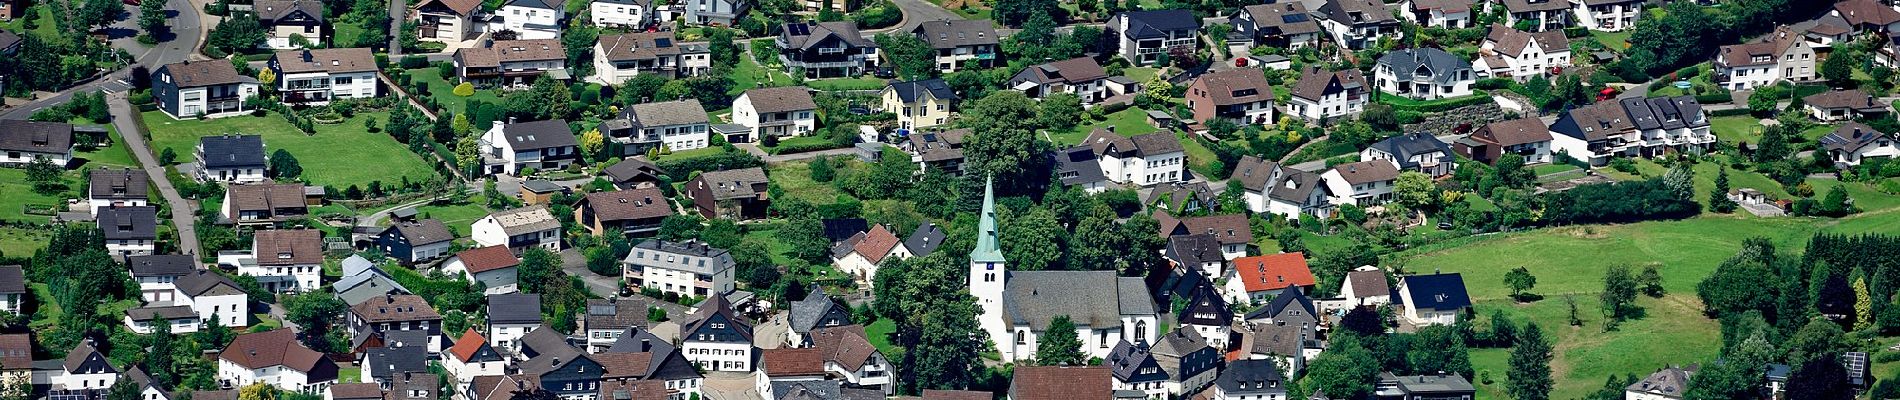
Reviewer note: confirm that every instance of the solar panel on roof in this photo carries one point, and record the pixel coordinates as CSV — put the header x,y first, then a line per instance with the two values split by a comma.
x,y
1291,18
930,137
662,42
798,29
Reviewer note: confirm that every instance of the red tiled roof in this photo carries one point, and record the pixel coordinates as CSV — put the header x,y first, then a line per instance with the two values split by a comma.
x,y
470,342
271,348
1273,271
792,362
479,260
1061,383
877,244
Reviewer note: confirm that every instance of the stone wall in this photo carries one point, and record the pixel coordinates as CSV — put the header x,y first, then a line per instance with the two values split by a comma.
x,y
1447,122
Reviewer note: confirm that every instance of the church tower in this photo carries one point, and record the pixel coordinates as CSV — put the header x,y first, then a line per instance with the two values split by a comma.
x,y
988,270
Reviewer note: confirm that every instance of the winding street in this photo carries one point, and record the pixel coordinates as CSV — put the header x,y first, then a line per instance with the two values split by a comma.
x,y
184,214
186,31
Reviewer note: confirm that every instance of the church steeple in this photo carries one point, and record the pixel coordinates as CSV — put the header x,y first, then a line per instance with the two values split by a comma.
x,y
987,248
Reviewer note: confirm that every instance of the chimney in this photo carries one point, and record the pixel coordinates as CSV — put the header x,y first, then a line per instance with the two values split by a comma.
x,y
646,345
389,298
555,361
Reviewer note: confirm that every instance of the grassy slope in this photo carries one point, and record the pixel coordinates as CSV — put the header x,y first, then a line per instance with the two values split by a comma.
x,y
458,217
1130,122
444,92
339,155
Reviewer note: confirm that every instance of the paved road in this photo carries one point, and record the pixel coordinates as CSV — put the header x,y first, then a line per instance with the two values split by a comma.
x,y
575,264
186,31
916,13
776,158
183,212
398,12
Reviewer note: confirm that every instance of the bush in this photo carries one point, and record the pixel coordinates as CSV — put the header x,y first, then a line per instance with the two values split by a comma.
x,y
1714,98
465,89
1493,84
683,169
768,140
1408,116
1616,202
1623,165
802,147
413,62
1730,112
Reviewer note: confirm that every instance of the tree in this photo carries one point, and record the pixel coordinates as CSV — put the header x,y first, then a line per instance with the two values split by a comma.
x,y
1835,204
167,157
1439,348
1503,330
235,34
724,52
1004,144
464,89
1619,292
285,166
1681,181
952,361
1415,189
158,361
806,236
537,269
1863,305
1060,111
468,156
1650,282
1819,339
1033,241
1837,71
316,312
123,389
592,143
1059,344
1529,375
1345,370
821,170
152,18
1520,281
1718,198
1363,321
1820,378
44,176
1773,145
913,58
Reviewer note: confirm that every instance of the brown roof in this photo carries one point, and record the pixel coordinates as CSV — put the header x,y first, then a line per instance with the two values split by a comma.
x,y
1061,383
1157,143
395,308
499,387
356,391
1853,98
265,196
271,348
877,243
735,183
205,73
1518,6
1315,84
511,51
780,99
333,61
484,259
632,389
845,345
1275,16
288,247
466,346
16,351
1236,86
630,204
1368,283
428,231
1511,41
1740,55
464,7
1229,228
1601,120
1866,12
1074,71
1447,6
792,362
623,365
1514,132
1367,171
638,46
118,183
934,394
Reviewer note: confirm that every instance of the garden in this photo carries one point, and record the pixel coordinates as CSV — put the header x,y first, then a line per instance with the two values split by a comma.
x,y
340,155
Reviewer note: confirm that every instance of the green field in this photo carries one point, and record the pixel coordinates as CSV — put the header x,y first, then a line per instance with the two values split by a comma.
x,y
860,83
1129,122
337,155
1674,332
458,217
19,194
16,242
444,92
795,178
116,155
749,74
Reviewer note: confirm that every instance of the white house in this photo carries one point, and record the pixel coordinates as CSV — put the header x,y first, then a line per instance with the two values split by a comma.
x,y
511,63
1324,95
1607,15
317,76
447,20
1080,76
1854,142
86,369
1281,190
231,158
620,57
145,320
1358,24
471,356
513,147
1363,183
1143,160
678,125
1424,73
1144,38
716,12
1527,137
1417,151
158,275
1435,299
779,111
283,260
492,266
716,339
689,269
860,254
1781,55
1250,380
12,288
530,19
518,229
1508,52
1254,279
1544,15
116,187
511,317
1835,106
621,13
275,358
214,297
1366,286
1631,128
960,41
1448,14
23,141
209,88
129,230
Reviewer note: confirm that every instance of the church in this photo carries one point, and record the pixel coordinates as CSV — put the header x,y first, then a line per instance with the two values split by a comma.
x,y
1018,306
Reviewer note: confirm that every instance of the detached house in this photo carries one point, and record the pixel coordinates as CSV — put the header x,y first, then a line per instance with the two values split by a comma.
x,y
1418,151
626,14
1250,379
231,158
1281,190
158,275
510,318
817,310
1421,387
1527,137
1665,384
129,230
689,269
1424,73
620,57
1366,286
780,111
1190,363
624,212
662,360
1544,15
956,42
919,104
1508,52
1607,15
471,356
518,229
86,370
110,187
12,288
1145,37
511,63
1199,253
738,194
1781,55
207,88
318,76
512,147
1322,96
416,242
1231,229
716,338
266,203
1842,105
1287,25
716,12
22,141
1435,299
275,358
1358,24
860,254
1868,16
1447,14
940,151
1143,160
1239,95
1254,279
1364,183
393,313
492,266
678,125
284,261
1135,370
1080,76
1854,142
529,19
826,49
447,20
213,296
290,24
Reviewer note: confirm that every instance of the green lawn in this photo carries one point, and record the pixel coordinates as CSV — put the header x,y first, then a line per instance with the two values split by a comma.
x,y
1737,128
749,74
880,335
694,153
458,217
116,155
1321,150
443,91
1141,74
1547,169
799,142
16,242
47,29
1674,332
795,178
860,83
19,194
337,155
1128,122
1403,102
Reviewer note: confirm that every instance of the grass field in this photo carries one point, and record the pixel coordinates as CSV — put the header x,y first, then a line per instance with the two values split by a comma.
x,y
336,155
749,74
795,178
1321,150
46,30
19,194
458,217
1673,332
880,335
1129,122
116,155
16,242
444,92
859,83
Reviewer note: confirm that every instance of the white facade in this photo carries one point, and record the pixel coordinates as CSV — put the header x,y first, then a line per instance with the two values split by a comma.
x,y
1748,77
529,22
279,278
352,85
790,123
276,375
1362,194
1612,17
96,204
489,232
1389,83
462,372
229,310
1334,105
19,157
178,326
507,337
718,356
618,14
232,175
195,101
1146,171
495,143
1435,18
1882,148
1533,60
130,247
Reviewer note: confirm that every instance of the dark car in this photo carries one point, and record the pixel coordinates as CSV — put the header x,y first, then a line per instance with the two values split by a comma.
x,y
884,72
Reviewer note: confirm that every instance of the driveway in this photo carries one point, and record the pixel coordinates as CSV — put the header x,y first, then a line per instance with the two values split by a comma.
x,y
723,385
184,214
771,333
575,264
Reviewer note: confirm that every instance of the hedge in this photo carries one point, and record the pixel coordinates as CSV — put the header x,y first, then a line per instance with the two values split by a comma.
x,y
802,147
1729,112
1714,98
1430,106
678,169
1616,202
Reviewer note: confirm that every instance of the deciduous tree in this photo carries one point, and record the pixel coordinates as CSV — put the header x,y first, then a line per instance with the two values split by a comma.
x,y
1059,345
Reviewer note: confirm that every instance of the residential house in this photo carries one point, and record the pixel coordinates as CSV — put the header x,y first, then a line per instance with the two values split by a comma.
x,y
388,366
1143,160
1424,73
1358,24
939,151
1290,306
541,191
1446,14
1669,383
529,19
492,266
397,313
1842,105
1285,25
1543,15
148,389
1190,363
275,358
619,57
146,319
16,357
859,255
826,49
1322,96
919,104
12,288
1079,167
779,111
1239,95
158,275
1778,56
1291,343
1080,76
416,242
207,88
447,20
1198,253
1868,16
1276,189
1633,127
1366,286
675,125
1061,383
1255,278
1231,229
510,317
634,172
959,42
86,369
559,366
1364,183
925,239
511,63
607,319
716,338
518,229
26,141
689,269
849,357
231,158
364,281
129,230
1250,379
282,260
1423,387
1435,299
1183,198
1520,55
1418,151
116,187
1144,38
266,203
1134,369
781,371
317,76
1206,316
1607,15
1853,142
291,24
716,12
513,148
471,356
625,14
662,359
1526,137
363,390
214,297
734,194
817,310
623,212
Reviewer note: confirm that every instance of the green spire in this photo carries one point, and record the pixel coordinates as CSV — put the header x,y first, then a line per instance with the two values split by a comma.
x,y
987,249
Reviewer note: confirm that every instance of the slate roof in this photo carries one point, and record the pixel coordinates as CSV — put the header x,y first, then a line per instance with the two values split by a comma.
x,y
501,51
1288,18
36,137
1427,384
925,239
1442,67
1061,383
118,183
1193,250
264,196
395,308
335,61
484,259
908,91
1368,11
361,390
1594,122
1250,377
545,134
1854,99
424,232
1280,339
1671,382
1105,142
1089,298
161,265
1127,360
845,31
1514,132
1522,6
1229,228
1235,86
635,167
463,7
1288,298
1078,165
1316,84
1405,146
735,183
128,222
1852,136
615,314
1436,291
200,283
8,40
1665,112
1446,6
271,348
629,204
638,46
665,113
272,10
1071,71
1367,171
1510,41
533,218
232,151
514,308
780,99
1273,271
388,362
1157,23
541,4
1368,283
12,279
1266,176
204,73
950,34
717,306
152,313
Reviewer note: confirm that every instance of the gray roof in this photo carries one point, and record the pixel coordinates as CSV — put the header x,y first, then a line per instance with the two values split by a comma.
x,y
542,4
197,283
389,361
161,265
365,284
129,222
150,313
12,279
677,112
272,10
1036,297
925,239
514,308
950,34
815,34
1127,360
546,134
1407,145
1280,339
533,218
1670,382
1665,112
1279,182
232,151
907,91
735,183
1078,165
1441,67
118,183
333,61
1427,384
428,231
807,313
1249,377
1851,136
36,137
1157,23
690,251
1193,250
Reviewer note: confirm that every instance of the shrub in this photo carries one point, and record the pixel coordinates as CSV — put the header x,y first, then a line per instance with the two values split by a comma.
x,y
1616,202
1714,98
465,89
1623,165
1493,84
413,62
